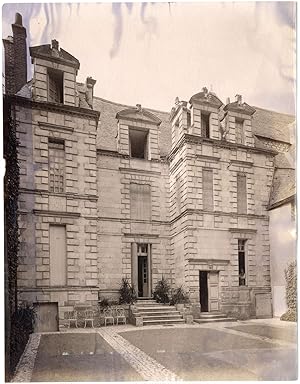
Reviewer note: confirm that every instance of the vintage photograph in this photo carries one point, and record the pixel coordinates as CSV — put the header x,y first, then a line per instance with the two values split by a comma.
x,y
149,191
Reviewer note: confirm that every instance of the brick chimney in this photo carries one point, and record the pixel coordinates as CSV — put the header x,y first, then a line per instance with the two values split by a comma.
x,y
15,57
19,36
9,68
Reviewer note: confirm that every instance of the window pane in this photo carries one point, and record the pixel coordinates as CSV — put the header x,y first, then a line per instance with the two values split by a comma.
x,y
239,132
207,189
241,194
140,201
56,166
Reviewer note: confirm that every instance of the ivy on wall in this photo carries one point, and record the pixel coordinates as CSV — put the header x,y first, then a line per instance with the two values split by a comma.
x,y
291,292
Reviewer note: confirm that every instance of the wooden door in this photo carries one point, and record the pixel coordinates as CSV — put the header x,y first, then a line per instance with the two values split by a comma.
x,y
213,291
46,317
58,262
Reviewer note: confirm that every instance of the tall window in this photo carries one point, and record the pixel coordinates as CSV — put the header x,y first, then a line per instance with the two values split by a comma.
x,y
242,261
58,255
56,165
178,195
239,131
241,193
138,143
205,125
55,86
207,189
140,201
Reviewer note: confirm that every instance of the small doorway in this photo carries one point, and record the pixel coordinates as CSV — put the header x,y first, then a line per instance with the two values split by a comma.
x,y
46,319
203,287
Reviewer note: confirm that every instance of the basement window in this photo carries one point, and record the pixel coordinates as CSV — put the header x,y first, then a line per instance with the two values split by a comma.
x,y
138,143
55,86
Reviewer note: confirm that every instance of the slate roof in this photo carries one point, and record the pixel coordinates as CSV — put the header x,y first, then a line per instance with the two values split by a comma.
x,y
284,187
265,123
272,125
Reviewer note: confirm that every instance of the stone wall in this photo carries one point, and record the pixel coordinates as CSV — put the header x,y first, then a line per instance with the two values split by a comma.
x,y
117,230
75,208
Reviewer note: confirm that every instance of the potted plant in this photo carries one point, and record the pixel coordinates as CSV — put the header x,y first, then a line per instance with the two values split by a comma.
x,y
179,298
162,291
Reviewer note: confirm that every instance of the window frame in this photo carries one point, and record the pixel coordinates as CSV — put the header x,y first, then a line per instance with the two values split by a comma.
x,y
241,207
57,77
242,252
146,142
139,203
239,123
53,144
205,205
206,129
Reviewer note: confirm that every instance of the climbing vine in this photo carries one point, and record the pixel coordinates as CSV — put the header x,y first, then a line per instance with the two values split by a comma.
x,y
291,292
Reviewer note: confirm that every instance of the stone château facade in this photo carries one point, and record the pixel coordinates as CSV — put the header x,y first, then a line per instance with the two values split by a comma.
x,y
110,191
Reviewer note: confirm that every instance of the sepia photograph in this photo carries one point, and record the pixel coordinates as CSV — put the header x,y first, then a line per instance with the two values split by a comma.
x,y
149,191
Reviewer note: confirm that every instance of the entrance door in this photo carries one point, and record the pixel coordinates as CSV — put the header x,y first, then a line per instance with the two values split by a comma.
x,y
213,291
46,317
143,270
203,291
209,291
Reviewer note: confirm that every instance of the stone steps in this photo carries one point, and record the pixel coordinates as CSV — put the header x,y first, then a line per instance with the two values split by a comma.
x,y
163,321
154,313
160,313
216,320
213,317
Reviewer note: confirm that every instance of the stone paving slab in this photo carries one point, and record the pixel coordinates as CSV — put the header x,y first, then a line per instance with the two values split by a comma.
x,y
180,352
146,366
201,353
271,332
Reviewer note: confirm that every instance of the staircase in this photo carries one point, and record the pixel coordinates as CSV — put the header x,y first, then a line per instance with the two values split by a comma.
x,y
154,313
213,317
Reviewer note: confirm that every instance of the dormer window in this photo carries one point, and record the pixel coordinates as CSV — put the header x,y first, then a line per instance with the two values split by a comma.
x,y
239,131
138,143
205,124
55,86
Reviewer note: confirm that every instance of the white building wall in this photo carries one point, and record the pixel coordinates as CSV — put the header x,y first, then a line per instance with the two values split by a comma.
x,y
283,251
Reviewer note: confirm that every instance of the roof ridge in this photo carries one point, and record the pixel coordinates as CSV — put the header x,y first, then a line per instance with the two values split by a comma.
x,y
129,106
271,110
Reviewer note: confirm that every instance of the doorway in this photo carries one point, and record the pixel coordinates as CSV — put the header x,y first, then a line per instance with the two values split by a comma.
x,y
46,319
141,269
203,291
209,291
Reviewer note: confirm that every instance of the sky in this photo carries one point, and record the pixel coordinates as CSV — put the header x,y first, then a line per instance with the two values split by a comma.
x,y
150,53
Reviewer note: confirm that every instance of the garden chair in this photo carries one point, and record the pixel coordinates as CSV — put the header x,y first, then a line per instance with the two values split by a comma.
x,y
108,316
72,317
89,317
120,315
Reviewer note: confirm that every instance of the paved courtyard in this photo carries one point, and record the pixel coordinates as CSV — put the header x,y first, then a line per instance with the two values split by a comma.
x,y
248,350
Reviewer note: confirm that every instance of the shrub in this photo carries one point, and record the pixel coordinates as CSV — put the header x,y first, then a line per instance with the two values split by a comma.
x,y
104,303
22,325
162,291
179,296
127,292
291,292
